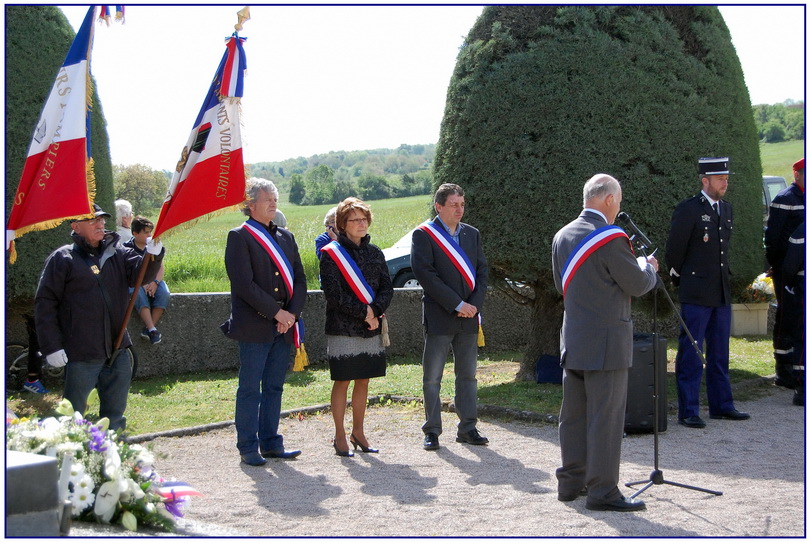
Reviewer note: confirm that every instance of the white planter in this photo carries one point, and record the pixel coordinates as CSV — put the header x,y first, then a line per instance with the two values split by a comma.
x,y
749,319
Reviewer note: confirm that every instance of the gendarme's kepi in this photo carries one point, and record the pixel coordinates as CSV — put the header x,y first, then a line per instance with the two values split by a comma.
x,y
798,165
714,166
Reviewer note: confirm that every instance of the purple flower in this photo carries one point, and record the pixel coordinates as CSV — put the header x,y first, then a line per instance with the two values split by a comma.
x,y
175,505
96,443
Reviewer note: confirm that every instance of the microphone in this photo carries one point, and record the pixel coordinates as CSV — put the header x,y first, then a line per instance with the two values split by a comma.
x,y
638,235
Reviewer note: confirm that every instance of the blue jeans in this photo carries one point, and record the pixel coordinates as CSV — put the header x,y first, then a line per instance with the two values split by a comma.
x,y
160,299
112,382
263,367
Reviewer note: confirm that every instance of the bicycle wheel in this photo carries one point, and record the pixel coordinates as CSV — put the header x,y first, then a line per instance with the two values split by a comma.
x,y
16,364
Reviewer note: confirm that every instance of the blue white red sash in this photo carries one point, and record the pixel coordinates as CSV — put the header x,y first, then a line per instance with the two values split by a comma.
x,y
350,271
586,248
452,249
260,234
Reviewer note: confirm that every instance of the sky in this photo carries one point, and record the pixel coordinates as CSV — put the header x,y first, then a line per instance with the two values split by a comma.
x,y
337,78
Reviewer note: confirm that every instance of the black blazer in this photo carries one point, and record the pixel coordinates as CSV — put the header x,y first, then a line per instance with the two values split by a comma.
x,y
258,291
698,250
442,285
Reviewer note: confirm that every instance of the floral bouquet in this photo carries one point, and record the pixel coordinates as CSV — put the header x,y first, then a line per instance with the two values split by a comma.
x,y
105,479
761,290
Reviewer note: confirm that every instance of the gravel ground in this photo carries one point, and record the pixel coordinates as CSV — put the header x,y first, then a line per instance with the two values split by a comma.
x,y
505,489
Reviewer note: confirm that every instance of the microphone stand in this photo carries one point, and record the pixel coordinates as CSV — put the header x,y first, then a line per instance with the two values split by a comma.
x,y
657,476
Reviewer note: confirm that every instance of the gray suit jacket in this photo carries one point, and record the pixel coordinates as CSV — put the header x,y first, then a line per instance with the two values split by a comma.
x,y
442,285
597,332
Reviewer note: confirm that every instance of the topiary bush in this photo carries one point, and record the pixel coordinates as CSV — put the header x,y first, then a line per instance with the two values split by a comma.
x,y
543,97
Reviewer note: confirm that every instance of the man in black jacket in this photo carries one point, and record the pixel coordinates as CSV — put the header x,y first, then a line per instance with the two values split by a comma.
x,y
785,214
80,307
268,291
451,304
698,257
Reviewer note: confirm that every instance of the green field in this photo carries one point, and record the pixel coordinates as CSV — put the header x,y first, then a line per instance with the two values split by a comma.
x,y
778,158
195,256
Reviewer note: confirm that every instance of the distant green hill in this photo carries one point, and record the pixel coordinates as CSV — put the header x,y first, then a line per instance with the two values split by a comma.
x,y
404,171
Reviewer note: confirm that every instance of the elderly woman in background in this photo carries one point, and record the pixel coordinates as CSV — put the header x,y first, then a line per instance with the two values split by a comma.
x,y
329,235
355,304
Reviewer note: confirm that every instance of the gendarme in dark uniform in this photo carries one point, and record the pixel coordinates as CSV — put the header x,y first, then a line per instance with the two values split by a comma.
x,y
697,256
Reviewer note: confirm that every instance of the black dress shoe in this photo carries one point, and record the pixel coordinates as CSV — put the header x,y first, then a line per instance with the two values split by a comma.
x,y
286,455
731,415
572,497
253,459
693,422
431,442
798,398
472,437
621,505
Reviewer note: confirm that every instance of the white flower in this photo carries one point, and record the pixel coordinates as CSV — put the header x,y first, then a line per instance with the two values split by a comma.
x,y
77,473
129,521
106,500
82,496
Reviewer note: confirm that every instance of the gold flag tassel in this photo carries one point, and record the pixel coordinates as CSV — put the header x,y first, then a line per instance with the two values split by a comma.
x,y
386,340
301,359
481,342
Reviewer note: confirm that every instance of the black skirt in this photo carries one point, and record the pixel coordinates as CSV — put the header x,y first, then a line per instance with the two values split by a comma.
x,y
355,357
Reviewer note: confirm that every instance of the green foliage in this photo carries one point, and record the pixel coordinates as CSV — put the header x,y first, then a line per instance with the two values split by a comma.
x,y
37,41
374,187
544,97
780,122
142,186
405,170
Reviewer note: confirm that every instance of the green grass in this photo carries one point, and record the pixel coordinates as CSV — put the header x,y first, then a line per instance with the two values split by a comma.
x,y
778,158
180,401
195,257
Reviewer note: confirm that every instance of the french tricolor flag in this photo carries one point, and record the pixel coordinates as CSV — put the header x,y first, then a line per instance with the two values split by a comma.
x,y
57,181
210,175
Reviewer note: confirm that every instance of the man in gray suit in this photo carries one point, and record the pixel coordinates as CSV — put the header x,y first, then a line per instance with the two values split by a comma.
x,y
449,263
596,272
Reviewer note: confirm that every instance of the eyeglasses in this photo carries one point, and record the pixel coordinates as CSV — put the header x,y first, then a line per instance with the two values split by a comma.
x,y
97,220
358,221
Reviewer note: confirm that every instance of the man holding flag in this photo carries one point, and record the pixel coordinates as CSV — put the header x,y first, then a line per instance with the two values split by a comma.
x,y
448,261
80,306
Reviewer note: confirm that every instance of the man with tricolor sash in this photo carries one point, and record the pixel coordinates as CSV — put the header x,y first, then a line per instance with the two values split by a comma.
x,y
268,291
595,271
448,261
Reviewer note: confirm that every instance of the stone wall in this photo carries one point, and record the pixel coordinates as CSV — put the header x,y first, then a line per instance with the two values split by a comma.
x,y
193,342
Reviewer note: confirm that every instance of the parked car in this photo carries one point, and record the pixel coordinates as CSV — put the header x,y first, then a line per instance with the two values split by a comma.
x,y
398,258
771,186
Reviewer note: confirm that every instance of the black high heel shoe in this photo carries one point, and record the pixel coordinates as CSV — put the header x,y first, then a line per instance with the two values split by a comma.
x,y
339,452
354,441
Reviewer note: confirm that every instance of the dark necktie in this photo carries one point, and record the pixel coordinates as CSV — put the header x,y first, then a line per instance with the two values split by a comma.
x,y
716,207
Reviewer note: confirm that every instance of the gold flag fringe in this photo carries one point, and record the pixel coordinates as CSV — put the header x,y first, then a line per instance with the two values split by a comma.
x,y
481,342
202,218
301,359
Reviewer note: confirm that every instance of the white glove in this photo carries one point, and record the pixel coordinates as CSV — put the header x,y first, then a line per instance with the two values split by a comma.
x,y
153,247
57,359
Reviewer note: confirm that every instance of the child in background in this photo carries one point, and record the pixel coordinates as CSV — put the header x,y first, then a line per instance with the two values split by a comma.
x,y
153,298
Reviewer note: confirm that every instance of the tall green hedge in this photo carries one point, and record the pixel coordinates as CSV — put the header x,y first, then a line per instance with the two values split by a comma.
x,y
37,41
543,97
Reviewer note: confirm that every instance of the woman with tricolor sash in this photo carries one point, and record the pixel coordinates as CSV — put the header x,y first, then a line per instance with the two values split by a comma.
x,y
358,290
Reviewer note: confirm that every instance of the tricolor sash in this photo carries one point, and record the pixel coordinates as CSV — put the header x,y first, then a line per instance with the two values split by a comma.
x,y
357,281
260,234
586,248
350,271
452,249
457,256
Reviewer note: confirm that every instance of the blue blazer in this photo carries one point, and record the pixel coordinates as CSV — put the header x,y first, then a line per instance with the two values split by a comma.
x,y
258,291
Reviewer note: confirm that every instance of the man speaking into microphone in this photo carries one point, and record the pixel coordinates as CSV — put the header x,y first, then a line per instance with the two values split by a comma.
x,y
595,271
